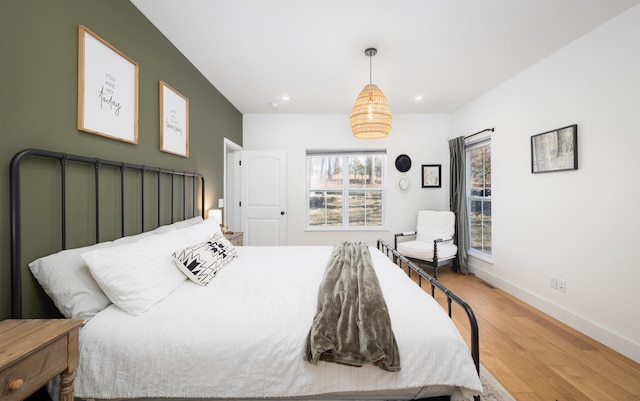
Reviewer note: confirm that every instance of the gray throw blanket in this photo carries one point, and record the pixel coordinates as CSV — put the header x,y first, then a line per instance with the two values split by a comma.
x,y
352,324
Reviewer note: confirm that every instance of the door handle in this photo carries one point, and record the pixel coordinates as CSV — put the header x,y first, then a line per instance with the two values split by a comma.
x,y
282,213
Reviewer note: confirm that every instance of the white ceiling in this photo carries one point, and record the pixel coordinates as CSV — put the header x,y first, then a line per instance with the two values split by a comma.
x,y
449,51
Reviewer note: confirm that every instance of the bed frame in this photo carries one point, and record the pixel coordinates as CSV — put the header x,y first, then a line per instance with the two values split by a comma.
x,y
192,184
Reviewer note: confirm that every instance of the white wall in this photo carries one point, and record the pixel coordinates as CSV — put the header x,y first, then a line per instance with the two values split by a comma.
x,y
422,137
581,226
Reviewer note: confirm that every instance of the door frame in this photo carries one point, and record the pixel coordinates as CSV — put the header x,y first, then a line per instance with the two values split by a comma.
x,y
231,180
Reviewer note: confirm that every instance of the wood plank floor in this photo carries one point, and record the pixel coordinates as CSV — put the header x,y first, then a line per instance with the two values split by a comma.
x,y
538,358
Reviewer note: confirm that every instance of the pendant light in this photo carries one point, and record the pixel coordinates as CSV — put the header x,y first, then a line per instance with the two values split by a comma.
x,y
371,114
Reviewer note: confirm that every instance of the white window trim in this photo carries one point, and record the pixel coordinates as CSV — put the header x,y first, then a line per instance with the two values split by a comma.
x,y
345,189
481,255
470,144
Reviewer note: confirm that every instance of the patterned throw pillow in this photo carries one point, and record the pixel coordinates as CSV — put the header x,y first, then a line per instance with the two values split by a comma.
x,y
201,262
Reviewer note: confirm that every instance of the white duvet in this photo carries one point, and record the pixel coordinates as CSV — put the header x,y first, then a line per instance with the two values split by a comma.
x,y
243,336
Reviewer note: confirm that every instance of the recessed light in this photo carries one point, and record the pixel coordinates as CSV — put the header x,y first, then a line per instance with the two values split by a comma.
x,y
285,98
418,97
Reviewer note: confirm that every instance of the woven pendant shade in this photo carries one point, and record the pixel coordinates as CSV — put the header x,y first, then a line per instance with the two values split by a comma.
x,y
371,114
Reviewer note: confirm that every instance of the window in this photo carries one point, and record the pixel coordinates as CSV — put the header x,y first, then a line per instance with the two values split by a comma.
x,y
345,189
479,197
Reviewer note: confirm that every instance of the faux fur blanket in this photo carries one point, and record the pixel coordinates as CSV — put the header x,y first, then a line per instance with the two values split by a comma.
x,y
352,324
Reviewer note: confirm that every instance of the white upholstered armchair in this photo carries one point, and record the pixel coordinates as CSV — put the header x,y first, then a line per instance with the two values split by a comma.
x,y
433,240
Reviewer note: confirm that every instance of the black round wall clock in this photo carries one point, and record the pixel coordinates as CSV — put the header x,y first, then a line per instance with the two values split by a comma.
x,y
403,163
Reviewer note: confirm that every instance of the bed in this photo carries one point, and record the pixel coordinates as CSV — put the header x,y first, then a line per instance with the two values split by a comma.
x,y
163,335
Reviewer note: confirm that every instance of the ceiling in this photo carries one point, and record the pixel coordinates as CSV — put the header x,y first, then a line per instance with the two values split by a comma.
x,y
448,51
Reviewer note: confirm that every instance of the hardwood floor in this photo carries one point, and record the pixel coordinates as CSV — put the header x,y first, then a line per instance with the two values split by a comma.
x,y
538,358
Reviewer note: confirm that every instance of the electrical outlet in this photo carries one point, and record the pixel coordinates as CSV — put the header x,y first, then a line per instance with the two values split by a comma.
x,y
220,202
553,282
562,285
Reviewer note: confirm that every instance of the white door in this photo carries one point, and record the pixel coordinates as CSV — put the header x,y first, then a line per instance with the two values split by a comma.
x,y
263,197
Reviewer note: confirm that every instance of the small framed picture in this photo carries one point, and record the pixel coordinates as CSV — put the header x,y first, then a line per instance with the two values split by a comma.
x,y
431,175
555,150
174,121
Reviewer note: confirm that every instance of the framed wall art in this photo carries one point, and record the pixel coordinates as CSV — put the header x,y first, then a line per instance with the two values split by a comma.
x,y
107,89
174,121
555,150
431,175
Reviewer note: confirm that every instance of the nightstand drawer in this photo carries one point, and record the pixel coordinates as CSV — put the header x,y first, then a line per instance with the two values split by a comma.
x,y
34,351
34,371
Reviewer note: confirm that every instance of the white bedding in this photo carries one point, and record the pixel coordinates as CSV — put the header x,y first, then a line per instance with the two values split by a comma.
x,y
243,336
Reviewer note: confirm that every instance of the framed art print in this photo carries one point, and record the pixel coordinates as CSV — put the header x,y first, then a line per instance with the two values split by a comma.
x,y
555,150
174,121
107,89
431,176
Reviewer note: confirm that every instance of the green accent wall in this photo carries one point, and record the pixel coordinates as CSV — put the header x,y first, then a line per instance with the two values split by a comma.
x,y
38,100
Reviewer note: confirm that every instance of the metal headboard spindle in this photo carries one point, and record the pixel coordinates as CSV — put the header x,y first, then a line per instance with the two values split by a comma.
x,y
63,181
97,192
142,172
15,212
158,184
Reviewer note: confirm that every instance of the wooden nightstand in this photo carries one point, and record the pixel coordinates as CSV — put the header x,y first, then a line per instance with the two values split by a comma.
x,y
32,352
236,238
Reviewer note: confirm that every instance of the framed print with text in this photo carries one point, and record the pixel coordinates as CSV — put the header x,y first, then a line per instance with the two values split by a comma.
x,y
174,121
107,89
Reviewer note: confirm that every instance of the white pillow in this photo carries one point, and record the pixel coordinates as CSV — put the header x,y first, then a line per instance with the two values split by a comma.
x,y
202,231
178,224
66,279
137,276
201,262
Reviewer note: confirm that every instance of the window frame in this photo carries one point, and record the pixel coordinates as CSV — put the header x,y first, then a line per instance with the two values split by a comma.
x,y
469,146
345,189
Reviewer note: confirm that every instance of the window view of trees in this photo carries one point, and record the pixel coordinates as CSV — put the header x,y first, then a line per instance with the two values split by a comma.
x,y
345,198
325,191
479,197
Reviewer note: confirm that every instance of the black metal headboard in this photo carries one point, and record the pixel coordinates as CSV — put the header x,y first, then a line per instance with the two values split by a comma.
x,y
192,184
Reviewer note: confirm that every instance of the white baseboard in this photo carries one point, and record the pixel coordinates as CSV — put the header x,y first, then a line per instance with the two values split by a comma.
x,y
620,344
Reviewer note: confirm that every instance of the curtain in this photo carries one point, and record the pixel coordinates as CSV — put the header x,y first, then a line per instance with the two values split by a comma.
x,y
457,199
